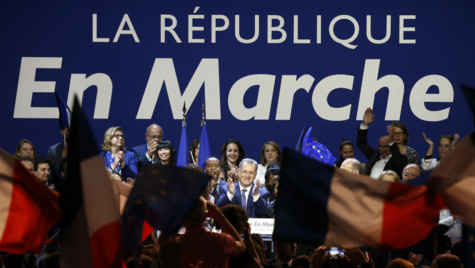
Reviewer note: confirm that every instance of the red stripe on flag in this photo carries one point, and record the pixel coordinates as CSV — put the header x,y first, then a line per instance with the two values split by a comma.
x,y
409,214
106,246
33,211
146,230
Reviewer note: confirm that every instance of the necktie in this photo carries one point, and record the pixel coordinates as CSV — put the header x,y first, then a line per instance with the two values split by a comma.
x,y
215,193
243,199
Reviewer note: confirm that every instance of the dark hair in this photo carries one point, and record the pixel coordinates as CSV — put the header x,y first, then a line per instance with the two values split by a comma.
x,y
27,158
346,142
273,168
277,149
236,215
404,129
191,152
224,158
41,160
446,136
343,142
167,145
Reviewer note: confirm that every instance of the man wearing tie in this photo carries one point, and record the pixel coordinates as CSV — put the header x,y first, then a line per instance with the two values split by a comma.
x,y
245,193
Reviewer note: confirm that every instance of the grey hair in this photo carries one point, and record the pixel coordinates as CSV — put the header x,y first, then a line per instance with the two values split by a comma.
x,y
247,161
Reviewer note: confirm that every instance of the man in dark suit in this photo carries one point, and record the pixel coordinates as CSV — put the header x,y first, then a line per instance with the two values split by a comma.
x,y
245,193
146,152
388,156
59,151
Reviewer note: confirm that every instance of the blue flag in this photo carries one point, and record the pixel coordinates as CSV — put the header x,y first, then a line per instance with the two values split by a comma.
x,y
64,112
316,150
204,152
163,196
182,159
298,147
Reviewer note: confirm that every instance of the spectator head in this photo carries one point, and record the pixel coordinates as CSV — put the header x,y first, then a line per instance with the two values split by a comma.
x,y
42,169
389,175
28,163
25,148
401,134
346,149
447,261
194,151
410,172
247,172
270,153
114,137
237,216
352,165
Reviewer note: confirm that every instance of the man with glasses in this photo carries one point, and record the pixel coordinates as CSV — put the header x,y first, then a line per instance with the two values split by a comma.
x,y
245,193
146,152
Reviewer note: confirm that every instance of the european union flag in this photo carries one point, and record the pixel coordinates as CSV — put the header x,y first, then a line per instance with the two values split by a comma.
x,y
316,150
163,196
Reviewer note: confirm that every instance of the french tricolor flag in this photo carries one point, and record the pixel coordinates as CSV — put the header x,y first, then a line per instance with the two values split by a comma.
x,y
90,227
321,204
28,209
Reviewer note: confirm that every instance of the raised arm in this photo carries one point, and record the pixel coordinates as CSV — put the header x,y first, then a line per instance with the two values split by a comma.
x,y
215,213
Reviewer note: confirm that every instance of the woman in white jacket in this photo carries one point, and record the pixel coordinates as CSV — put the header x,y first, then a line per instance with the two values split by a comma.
x,y
446,144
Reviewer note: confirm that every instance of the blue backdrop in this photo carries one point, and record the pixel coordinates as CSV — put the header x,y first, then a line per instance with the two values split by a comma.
x,y
264,68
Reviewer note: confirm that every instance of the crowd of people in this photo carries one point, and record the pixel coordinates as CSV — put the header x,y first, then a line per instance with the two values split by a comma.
x,y
241,188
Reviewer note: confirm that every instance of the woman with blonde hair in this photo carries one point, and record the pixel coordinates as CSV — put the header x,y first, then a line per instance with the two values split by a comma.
x,y
25,148
389,175
116,157
270,153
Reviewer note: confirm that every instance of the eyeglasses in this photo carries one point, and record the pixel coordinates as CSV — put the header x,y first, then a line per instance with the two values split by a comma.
x,y
154,136
398,133
119,136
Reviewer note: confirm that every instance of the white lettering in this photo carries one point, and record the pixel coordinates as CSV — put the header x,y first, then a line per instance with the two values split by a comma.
x,y
192,28
215,28
403,29
344,42
163,73
278,28
388,30
261,110
171,29
320,97
237,32
80,83
27,86
371,84
96,39
288,87
419,97
296,32
121,31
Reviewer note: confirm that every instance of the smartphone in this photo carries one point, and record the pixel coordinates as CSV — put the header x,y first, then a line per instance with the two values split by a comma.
x,y
335,253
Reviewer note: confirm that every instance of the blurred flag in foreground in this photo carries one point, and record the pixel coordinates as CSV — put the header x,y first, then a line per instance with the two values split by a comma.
x,y
28,209
162,198
321,204
90,227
